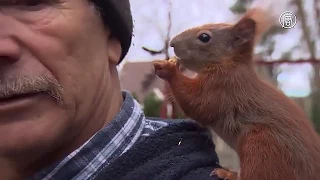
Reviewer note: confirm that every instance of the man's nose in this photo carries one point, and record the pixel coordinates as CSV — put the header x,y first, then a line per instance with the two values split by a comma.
x,y
10,50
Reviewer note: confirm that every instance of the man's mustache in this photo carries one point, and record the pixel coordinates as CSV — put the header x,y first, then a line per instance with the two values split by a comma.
x,y
13,86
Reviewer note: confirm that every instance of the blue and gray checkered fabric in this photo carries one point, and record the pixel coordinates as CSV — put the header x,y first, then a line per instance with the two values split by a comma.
x,y
105,146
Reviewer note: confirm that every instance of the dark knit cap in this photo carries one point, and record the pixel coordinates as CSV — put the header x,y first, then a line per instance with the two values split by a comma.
x,y
116,14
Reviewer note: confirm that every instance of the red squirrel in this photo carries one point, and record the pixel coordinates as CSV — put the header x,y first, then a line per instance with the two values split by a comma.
x,y
270,133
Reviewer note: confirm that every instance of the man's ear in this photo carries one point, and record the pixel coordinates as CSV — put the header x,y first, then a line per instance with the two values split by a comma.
x,y
243,31
114,50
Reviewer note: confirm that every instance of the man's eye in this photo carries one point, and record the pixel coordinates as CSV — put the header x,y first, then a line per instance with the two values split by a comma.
x,y
26,9
32,5
33,2
22,2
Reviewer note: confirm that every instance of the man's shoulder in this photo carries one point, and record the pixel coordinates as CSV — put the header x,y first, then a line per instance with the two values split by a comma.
x,y
153,124
176,149
171,121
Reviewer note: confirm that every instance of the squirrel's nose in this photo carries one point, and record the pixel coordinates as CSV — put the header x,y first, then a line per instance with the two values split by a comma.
x,y
172,42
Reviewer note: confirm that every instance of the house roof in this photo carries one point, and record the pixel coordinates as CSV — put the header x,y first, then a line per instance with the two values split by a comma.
x,y
132,76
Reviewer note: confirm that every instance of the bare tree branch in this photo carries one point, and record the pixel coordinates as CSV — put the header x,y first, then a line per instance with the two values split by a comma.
x,y
287,61
153,52
316,7
168,38
305,28
165,50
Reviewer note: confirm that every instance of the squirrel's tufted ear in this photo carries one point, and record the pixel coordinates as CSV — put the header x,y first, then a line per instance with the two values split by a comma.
x,y
243,31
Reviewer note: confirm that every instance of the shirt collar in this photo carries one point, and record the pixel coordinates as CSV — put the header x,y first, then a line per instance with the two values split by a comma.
x,y
102,148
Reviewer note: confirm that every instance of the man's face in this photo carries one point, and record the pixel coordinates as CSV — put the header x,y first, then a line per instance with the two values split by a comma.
x,y
54,69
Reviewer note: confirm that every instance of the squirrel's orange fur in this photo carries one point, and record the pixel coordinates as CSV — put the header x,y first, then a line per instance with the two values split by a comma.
x,y
271,134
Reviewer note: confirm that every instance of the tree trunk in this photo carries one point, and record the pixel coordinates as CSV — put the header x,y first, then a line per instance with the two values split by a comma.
x,y
316,69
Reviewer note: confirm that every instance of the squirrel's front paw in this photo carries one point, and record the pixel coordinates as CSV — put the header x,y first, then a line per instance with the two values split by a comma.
x,y
225,174
165,69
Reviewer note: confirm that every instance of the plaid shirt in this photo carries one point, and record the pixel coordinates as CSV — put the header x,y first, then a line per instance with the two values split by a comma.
x,y
105,146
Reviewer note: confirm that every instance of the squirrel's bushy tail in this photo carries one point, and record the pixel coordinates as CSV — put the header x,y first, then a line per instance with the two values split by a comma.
x,y
266,14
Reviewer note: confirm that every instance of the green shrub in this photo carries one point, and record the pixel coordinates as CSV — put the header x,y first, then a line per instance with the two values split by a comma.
x,y
152,105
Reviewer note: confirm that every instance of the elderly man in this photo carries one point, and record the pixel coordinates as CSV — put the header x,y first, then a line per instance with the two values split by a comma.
x,y
62,112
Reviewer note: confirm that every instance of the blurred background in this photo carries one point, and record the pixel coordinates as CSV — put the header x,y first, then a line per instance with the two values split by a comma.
x,y
286,57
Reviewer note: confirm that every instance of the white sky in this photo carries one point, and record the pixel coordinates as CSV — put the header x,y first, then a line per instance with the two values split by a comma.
x,y
150,20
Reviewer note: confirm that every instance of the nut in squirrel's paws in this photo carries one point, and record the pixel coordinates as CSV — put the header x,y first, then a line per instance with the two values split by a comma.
x,y
165,69
173,60
224,174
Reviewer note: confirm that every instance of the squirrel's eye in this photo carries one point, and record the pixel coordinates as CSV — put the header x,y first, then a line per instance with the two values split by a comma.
x,y
204,37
